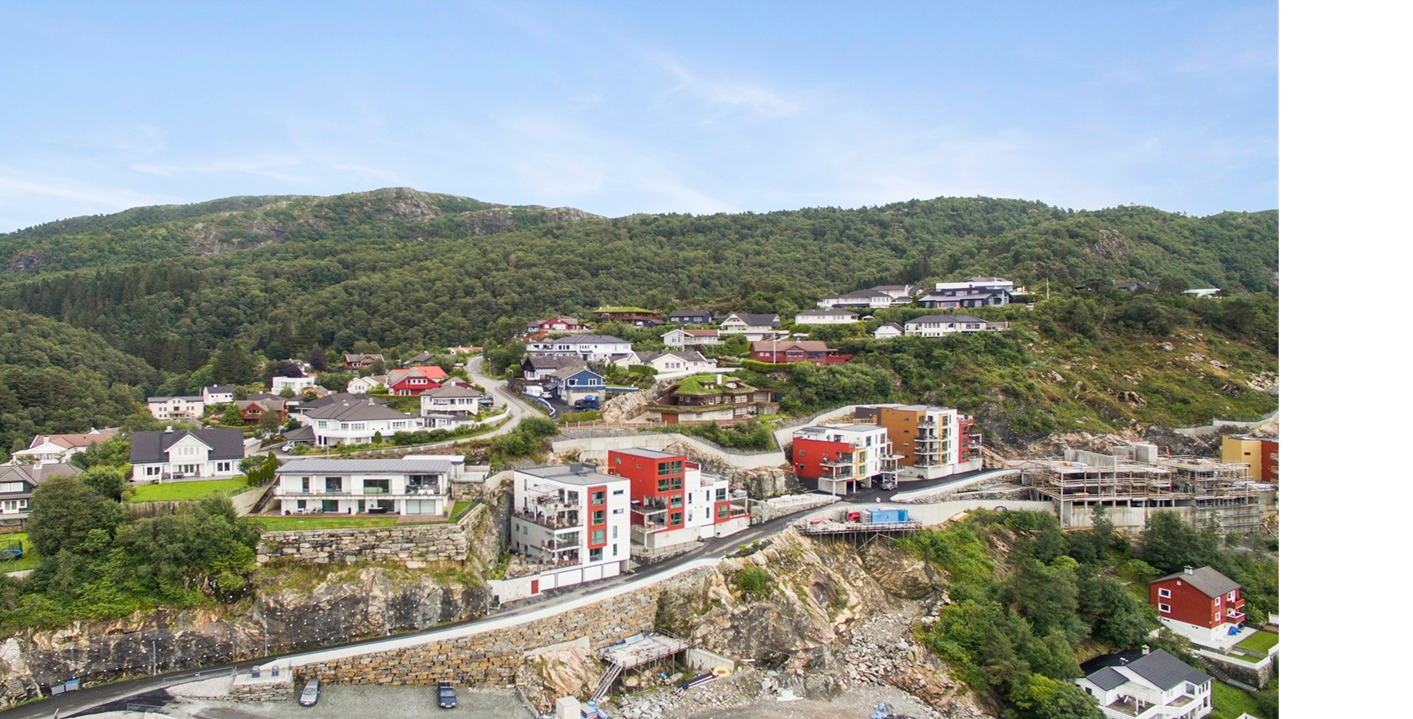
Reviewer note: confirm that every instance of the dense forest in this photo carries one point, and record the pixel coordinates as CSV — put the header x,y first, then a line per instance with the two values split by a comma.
x,y
399,271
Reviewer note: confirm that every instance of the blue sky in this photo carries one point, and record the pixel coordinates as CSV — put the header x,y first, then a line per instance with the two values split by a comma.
x,y
622,107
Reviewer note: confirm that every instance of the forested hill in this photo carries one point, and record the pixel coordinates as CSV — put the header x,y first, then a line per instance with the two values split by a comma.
x,y
400,268
56,378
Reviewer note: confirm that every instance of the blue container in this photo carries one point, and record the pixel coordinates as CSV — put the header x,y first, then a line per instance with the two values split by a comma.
x,y
887,516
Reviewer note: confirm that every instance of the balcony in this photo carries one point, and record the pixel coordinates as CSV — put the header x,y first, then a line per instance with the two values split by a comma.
x,y
420,493
551,520
1234,617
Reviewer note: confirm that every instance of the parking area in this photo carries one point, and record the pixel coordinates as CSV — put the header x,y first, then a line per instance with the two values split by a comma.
x,y
339,701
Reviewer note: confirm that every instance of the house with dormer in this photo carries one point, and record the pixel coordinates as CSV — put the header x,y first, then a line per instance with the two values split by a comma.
x,y
973,292
754,326
53,448
186,454
414,381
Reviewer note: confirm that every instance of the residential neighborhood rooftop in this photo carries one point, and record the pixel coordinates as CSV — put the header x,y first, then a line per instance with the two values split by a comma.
x,y
1204,579
582,474
151,447
366,466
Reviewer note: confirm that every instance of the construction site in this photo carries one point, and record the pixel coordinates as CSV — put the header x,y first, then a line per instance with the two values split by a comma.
x,y
1133,482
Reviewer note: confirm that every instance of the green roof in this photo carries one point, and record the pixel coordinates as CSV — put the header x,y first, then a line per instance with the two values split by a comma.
x,y
696,384
623,309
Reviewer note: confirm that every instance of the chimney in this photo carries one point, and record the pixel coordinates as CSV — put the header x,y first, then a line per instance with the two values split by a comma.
x,y
1145,650
169,429
1187,569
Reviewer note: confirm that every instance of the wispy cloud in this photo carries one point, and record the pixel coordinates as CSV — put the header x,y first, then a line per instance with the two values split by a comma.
x,y
28,184
728,93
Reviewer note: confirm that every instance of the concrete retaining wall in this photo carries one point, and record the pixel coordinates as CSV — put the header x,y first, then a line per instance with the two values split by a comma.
x,y
412,544
769,509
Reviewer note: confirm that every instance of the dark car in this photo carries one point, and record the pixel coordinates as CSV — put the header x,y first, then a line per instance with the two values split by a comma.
x,y
446,696
310,696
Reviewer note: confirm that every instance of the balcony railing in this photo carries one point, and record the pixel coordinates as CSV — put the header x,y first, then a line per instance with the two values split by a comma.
x,y
326,494
557,520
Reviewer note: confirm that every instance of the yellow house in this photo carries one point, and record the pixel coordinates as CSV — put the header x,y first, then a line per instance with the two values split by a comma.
x,y
1260,453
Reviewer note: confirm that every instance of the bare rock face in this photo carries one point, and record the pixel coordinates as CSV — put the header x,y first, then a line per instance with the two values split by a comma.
x,y
339,607
564,671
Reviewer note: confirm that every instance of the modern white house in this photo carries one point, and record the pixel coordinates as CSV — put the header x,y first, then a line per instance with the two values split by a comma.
x,y
186,454
973,292
365,486
940,325
826,317
841,458
572,521
363,385
451,399
870,299
56,448
888,330
183,407
294,384
679,339
350,422
590,348
1157,685
1204,292
218,394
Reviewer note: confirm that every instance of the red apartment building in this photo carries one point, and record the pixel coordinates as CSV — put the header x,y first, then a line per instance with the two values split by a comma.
x,y
1201,604
673,504
656,484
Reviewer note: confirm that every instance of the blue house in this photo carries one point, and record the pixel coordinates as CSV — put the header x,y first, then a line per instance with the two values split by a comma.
x,y
572,384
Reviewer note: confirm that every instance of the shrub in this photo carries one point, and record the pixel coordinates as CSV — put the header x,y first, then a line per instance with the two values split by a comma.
x,y
754,580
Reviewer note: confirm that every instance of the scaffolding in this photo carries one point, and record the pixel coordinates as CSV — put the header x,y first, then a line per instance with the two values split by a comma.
x,y
1141,478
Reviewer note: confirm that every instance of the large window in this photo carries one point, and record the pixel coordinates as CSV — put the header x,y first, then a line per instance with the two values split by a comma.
x,y
597,537
598,517
597,497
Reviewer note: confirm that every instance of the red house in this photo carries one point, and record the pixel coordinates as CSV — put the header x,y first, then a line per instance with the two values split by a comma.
x,y
1203,604
658,500
414,381
812,351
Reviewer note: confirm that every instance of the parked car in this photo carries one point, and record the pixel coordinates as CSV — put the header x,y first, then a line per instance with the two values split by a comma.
x,y
488,400
446,696
287,447
310,696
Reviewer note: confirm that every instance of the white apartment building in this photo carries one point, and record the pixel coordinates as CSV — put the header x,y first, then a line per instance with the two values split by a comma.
x,y
185,407
295,384
598,349
365,486
218,394
1157,685
843,457
572,520
679,339
451,400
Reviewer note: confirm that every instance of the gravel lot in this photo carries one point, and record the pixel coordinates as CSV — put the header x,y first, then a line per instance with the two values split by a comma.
x,y
372,702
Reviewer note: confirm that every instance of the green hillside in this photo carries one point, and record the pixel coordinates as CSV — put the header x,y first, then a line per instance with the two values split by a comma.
x,y
55,378
400,270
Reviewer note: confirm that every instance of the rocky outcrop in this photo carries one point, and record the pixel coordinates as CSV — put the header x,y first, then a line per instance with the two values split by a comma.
x,y
309,609
832,617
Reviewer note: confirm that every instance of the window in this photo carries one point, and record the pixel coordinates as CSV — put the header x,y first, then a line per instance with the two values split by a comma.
x,y
596,554
1165,608
618,493
721,494
153,471
1231,596
674,518
615,532
1217,618
675,502
1165,593
598,517
618,511
223,466
597,537
597,497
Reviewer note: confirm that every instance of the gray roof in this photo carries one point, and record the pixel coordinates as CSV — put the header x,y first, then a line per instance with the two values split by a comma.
x,y
451,390
187,397
354,411
581,474
688,313
151,447
1164,670
648,453
751,320
589,340
336,398
1206,580
1107,678
959,319
894,325
220,389
366,466
545,362
32,475
300,434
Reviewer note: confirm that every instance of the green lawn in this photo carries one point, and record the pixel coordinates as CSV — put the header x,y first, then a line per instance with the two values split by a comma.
x,y
181,491
1260,642
460,509
1230,702
30,560
280,524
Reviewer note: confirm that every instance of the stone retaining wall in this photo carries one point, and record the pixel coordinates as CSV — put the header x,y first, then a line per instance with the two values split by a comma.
x,y
267,689
414,545
491,658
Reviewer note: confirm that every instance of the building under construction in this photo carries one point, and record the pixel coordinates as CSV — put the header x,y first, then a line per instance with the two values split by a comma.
x,y
1139,479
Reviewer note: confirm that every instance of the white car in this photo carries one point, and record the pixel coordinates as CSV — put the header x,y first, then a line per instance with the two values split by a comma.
x,y
310,696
